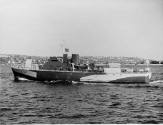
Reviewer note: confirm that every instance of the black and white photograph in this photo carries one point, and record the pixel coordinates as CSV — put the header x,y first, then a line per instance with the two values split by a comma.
x,y
81,62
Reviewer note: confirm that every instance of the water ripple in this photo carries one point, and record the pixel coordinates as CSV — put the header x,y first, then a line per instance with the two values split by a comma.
x,y
28,102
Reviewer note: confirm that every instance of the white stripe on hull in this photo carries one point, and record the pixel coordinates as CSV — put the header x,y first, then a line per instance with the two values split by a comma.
x,y
119,78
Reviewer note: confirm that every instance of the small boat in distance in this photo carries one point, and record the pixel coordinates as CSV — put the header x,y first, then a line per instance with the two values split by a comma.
x,y
70,69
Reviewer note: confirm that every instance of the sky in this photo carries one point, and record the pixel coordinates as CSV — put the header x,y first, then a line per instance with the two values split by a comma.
x,y
131,28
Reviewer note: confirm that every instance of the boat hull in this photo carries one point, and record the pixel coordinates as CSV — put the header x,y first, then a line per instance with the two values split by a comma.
x,y
53,75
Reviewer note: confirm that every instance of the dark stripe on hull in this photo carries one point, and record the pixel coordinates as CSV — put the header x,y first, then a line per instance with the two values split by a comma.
x,y
56,75
50,75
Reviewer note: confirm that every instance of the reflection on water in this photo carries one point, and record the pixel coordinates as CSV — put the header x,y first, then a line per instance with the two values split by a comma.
x,y
36,102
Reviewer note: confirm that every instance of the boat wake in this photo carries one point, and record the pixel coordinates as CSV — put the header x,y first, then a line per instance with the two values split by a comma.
x,y
158,83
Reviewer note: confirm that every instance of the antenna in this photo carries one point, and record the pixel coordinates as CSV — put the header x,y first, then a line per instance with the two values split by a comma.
x,y
61,48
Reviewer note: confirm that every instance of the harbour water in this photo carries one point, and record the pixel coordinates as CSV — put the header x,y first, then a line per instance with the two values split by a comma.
x,y
27,102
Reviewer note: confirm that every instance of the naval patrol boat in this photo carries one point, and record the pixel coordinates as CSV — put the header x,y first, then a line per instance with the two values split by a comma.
x,y
70,69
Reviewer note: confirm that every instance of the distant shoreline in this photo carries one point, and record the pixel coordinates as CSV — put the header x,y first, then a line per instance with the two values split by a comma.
x,y
144,64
